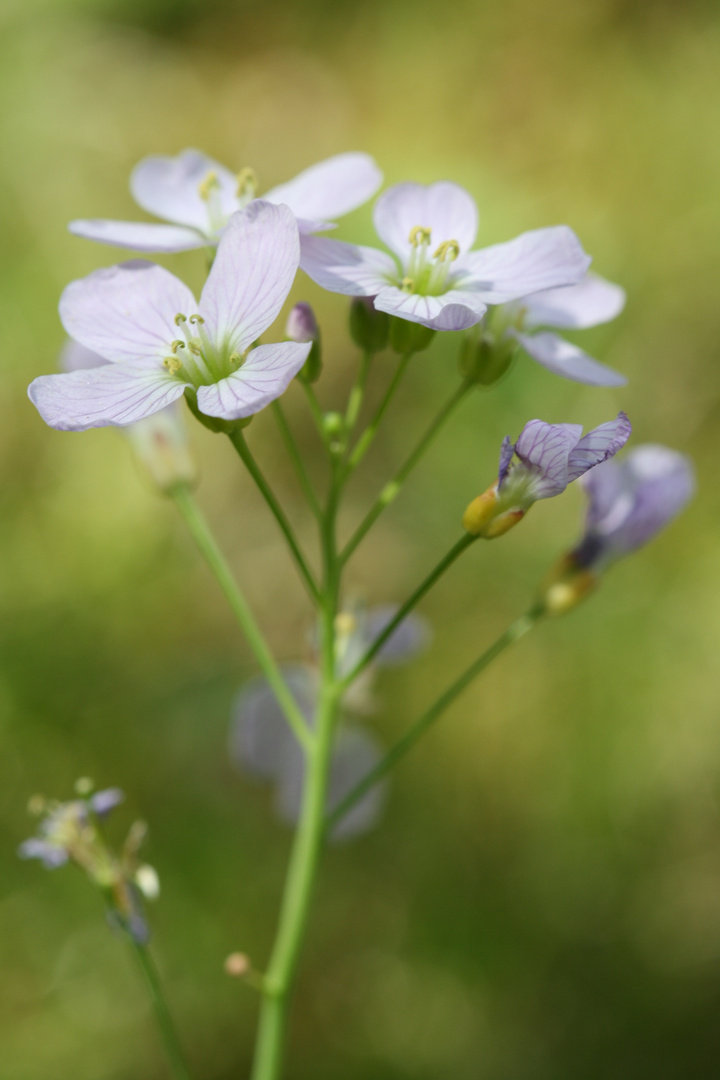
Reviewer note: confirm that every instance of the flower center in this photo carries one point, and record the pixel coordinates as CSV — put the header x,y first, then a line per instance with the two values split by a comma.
x,y
427,275
195,358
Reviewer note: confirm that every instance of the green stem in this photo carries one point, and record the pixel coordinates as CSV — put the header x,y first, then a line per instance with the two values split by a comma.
x,y
307,849
296,457
357,394
205,541
363,444
513,633
445,563
238,440
173,1050
315,409
392,489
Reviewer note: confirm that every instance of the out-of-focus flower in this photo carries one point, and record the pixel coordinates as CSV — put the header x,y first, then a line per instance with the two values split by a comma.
x,y
160,441
71,832
550,456
434,278
199,196
162,343
262,743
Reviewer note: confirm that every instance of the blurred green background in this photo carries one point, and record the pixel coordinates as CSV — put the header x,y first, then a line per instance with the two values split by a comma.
x,y
543,899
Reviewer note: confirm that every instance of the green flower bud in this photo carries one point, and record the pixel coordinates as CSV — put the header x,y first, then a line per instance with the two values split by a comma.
x,y
486,357
368,328
409,337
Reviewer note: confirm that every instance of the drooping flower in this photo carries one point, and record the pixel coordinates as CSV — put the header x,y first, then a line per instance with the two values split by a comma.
x,y
433,277
161,342
160,442
549,457
262,743
68,832
199,196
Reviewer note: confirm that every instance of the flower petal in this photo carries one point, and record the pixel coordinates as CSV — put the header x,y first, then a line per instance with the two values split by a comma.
x,y
329,189
138,235
507,453
454,310
591,302
254,269
127,311
260,736
598,445
563,358
76,357
51,855
407,640
546,448
445,208
169,187
346,268
540,259
115,394
264,376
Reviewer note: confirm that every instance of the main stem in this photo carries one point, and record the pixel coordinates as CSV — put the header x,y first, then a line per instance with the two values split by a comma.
x,y
205,541
173,1050
513,633
305,859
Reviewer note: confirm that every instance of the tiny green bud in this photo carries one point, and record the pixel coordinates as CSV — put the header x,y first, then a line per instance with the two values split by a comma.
x,y
333,424
369,328
409,337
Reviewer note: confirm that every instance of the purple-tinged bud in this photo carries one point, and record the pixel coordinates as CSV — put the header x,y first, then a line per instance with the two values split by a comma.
x,y
369,328
302,327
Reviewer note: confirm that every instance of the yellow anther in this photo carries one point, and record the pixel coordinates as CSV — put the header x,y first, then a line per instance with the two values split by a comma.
x,y
172,364
196,319
247,183
419,235
177,344
180,318
407,284
194,348
206,186
235,359
448,250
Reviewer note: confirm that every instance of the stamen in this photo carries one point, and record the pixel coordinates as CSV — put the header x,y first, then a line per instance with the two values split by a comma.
x,y
177,344
407,284
235,360
206,186
172,364
447,251
419,235
180,318
196,319
247,184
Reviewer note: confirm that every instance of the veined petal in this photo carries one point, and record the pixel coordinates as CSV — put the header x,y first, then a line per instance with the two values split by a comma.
x,y
346,268
126,312
76,357
115,394
453,310
254,269
598,445
445,208
563,358
507,453
546,449
264,376
169,187
329,189
138,235
575,307
540,259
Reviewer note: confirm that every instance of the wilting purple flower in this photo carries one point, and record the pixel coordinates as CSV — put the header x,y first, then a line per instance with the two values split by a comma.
x,y
199,196
433,277
549,457
162,342
630,501
575,307
262,743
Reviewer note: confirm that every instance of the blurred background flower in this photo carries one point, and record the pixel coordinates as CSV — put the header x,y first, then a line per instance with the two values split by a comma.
x,y
543,898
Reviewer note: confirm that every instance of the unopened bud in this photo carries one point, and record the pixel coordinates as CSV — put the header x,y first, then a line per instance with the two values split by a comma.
x,y
147,881
161,443
566,586
237,965
409,337
485,516
302,327
84,786
333,424
369,328
486,358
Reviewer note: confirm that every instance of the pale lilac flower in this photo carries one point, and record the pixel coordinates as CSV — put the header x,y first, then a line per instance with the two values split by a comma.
x,y
262,743
199,196
159,441
576,307
162,342
433,276
630,501
549,457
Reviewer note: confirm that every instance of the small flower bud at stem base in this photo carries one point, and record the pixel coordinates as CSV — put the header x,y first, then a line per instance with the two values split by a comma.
x,y
566,586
